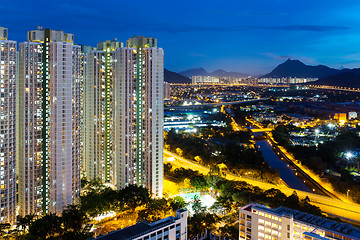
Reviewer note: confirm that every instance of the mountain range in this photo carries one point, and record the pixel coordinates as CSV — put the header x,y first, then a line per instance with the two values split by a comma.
x,y
296,68
327,76
217,73
343,77
173,77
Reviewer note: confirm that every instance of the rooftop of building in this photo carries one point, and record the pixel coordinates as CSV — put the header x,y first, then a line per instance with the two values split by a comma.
x,y
140,228
324,223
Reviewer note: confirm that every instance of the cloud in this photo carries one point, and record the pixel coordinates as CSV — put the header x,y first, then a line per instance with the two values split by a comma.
x,y
194,54
311,28
259,13
197,28
354,56
305,59
274,56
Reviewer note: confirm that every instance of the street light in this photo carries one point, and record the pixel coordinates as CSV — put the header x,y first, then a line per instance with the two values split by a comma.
x,y
347,193
349,155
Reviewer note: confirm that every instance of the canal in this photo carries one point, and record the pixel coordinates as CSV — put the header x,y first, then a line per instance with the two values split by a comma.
x,y
287,173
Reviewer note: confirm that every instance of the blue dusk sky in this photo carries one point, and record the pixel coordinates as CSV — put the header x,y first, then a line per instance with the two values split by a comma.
x,y
249,36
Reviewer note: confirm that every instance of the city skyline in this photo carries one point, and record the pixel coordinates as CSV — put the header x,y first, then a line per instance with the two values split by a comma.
x,y
237,36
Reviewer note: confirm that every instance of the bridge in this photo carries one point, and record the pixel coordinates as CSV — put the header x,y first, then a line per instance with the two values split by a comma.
x,y
216,104
260,130
349,89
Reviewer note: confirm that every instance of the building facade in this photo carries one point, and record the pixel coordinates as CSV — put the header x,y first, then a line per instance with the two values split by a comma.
x,y
49,118
8,130
170,228
167,91
124,114
99,103
259,222
139,115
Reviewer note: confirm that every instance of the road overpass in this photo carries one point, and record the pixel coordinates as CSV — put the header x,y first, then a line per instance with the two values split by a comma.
x,y
259,130
337,88
216,104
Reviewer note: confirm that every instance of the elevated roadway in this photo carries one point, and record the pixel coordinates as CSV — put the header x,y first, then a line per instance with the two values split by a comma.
x,y
216,104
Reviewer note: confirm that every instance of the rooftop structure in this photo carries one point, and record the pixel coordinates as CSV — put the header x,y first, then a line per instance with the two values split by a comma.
x,y
38,35
3,33
170,228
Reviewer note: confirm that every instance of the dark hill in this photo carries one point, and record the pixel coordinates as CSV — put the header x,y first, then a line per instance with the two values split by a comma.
x,y
194,72
218,73
295,68
351,79
223,73
173,77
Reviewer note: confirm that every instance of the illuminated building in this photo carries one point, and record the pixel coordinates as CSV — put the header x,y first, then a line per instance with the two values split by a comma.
x,y
124,97
99,104
286,80
139,115
341,117
170,228
167,90
205,80
48,122
260,222
8,130
352,115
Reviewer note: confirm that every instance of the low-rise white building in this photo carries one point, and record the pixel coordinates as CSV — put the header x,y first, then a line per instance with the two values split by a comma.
x,y
170,228
260,222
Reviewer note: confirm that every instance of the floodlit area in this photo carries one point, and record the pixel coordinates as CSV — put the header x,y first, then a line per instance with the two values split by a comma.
x,y
206,200
106,215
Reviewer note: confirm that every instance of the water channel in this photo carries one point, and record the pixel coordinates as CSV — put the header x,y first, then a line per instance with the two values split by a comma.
x,y
287,173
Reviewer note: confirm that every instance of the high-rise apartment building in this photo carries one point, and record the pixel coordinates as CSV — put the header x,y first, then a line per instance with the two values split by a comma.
x,y
99,98
167,91
49,117
124,114
139,114
8,131
260,222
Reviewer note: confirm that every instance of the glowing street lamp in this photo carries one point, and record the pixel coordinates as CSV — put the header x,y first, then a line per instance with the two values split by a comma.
x,y
349,155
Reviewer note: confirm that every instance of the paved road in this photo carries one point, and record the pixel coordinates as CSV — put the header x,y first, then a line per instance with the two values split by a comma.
x,y
328,205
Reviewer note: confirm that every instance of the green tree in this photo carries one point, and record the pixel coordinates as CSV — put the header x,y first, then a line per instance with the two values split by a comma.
x,y
73,218
46,227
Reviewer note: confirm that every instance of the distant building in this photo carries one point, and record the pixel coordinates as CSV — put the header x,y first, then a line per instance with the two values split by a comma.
x,y
340,117
260,222
3,33
220,80
205,80
352,115
167,91
8,131
170,228
272,117
86,49
286,80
